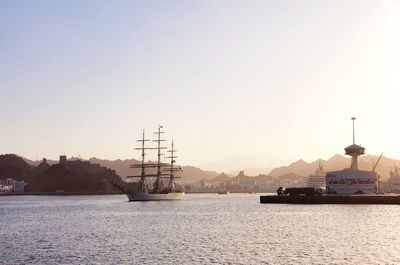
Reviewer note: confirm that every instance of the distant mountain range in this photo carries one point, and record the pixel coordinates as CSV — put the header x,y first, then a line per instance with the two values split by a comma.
x,y
338,162
252,165
300,168
251,171
261,166
303,168
122,168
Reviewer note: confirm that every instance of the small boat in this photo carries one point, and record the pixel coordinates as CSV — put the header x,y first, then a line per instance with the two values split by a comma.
x,y
223,192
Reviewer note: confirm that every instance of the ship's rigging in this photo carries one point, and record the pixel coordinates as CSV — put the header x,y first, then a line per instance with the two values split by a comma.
x,y
163,170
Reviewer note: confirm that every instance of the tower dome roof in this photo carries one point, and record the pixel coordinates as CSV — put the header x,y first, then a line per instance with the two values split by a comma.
x,y
354,150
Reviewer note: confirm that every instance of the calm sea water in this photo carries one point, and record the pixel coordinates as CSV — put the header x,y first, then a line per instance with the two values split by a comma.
x,y
202,229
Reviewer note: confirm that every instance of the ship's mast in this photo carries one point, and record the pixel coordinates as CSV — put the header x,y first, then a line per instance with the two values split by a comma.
x,y
158,183
143,173
142,165
172,169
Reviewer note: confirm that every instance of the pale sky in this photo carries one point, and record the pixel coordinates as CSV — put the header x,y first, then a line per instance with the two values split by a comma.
x,y
228,78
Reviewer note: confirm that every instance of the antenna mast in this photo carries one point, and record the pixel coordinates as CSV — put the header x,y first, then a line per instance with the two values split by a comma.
x,y
354,150
354,140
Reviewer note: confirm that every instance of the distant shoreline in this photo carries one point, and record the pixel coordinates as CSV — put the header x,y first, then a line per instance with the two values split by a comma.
x,y
92,193
57,193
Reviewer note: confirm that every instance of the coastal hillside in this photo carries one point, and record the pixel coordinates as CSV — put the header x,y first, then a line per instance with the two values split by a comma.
x,y
303,168
121,167
194,174
296,171
77,176
234,164
71,175
36,163
14,166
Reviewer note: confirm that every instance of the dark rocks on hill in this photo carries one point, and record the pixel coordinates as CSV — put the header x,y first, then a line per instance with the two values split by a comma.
x,y
14,166
78,176
69,176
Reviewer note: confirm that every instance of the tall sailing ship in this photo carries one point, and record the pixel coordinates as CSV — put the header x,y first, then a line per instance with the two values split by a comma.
x,y
164,187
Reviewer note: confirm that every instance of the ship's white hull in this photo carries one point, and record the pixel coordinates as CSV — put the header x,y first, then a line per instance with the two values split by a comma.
x,y
172,196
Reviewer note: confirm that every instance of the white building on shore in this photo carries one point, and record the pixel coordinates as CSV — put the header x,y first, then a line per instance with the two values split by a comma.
x,y
12,185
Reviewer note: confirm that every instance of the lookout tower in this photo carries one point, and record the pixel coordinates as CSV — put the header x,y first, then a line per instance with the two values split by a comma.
x,y
354,150
352,180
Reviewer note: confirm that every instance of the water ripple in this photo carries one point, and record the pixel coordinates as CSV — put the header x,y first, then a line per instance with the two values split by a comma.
x,y
203,229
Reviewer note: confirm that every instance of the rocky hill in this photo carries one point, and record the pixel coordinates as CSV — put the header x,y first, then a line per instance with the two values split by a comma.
x,y
14,166
81,176
77,176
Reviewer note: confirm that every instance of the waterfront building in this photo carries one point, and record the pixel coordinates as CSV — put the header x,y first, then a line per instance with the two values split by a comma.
x,y
247,184
18,186
12,185
276,182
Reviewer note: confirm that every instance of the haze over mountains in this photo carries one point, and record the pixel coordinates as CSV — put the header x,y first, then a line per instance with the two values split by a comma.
x,y
95,174
122,168
252,165
300,167
338,162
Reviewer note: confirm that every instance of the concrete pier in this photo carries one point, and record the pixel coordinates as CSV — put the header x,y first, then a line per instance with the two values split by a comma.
x,y
332,199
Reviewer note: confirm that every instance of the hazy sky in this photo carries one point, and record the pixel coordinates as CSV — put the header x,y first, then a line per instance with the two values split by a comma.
x,y
224,78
